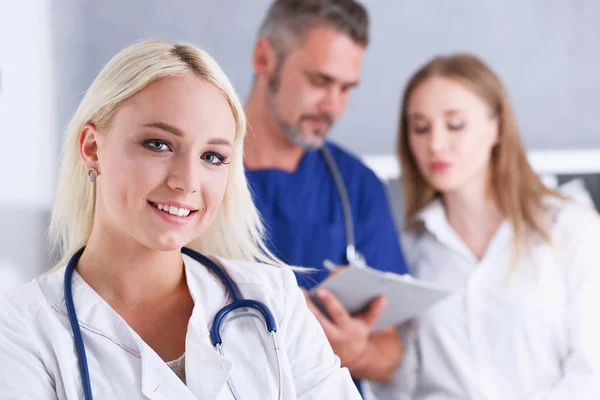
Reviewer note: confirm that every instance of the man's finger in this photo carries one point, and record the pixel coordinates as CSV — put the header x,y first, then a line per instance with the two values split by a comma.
x,y
332,268
374,311
336,310
329,328
336,271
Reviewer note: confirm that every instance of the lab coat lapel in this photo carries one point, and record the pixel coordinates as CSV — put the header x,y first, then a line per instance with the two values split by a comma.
x,y
206,370
158,381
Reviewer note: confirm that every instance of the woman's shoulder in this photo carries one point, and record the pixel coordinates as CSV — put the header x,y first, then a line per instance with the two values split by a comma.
x,y
23,302
41,291
270,278
274,286
575,233
574,218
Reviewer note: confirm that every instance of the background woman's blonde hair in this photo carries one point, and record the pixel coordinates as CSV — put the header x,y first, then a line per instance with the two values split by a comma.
x,y
517,190
236,232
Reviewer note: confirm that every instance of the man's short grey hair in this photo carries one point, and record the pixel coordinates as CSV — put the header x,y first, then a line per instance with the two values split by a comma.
x,y
287,21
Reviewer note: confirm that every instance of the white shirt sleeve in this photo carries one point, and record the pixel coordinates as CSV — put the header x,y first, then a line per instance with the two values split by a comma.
x,y
22,371
581,368
315,368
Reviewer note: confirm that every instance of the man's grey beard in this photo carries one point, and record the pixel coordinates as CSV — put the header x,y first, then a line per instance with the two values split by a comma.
x,y
291,132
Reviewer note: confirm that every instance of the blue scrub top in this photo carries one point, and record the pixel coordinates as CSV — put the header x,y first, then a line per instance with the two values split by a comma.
x,y
304,218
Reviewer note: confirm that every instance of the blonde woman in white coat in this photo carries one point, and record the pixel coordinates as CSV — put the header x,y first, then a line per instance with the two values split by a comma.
x,y
152,163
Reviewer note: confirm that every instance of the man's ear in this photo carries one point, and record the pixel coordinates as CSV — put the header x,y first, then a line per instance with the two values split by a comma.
x,y
264,58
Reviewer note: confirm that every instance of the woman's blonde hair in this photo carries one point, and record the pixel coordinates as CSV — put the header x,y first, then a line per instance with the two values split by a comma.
x,y
516,188
236,232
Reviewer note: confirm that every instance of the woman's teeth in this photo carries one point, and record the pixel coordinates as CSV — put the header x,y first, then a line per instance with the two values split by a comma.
x,y
181,212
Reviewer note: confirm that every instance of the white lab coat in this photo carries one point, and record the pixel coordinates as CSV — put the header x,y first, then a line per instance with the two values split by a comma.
x,y
38,358
535,335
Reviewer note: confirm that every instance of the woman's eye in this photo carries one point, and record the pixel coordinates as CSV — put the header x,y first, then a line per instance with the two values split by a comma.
x,y
420,128
157,145
456,125
213,158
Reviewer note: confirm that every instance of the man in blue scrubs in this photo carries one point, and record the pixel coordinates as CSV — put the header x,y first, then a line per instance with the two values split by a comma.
x,y
307,59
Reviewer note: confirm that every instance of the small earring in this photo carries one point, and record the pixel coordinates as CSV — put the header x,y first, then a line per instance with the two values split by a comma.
x,y
92,174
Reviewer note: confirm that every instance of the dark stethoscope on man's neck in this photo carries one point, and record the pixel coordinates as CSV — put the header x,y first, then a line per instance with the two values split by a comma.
x,y
353,256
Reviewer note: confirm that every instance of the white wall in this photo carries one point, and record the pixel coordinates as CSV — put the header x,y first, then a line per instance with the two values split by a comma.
x,y
546,52
28,137
27,112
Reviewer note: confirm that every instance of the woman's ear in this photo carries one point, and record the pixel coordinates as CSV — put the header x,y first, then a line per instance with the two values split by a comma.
x,y
495,130
88,146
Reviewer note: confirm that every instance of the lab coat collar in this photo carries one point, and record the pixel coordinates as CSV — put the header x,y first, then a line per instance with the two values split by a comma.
x,y
206,370
90,309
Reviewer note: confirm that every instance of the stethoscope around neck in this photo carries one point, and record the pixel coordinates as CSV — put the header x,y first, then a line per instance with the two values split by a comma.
x,y
353,256
218,324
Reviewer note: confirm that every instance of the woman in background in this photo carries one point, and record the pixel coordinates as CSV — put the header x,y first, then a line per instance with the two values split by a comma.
x,y
523,262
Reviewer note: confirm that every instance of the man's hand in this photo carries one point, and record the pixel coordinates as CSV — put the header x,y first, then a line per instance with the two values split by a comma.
x,y
348,335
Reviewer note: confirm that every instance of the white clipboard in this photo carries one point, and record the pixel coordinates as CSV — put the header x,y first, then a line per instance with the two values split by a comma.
x,y
407,297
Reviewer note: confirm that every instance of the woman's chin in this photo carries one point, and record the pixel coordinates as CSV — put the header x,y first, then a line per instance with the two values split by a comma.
x,y
169,242
444,184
